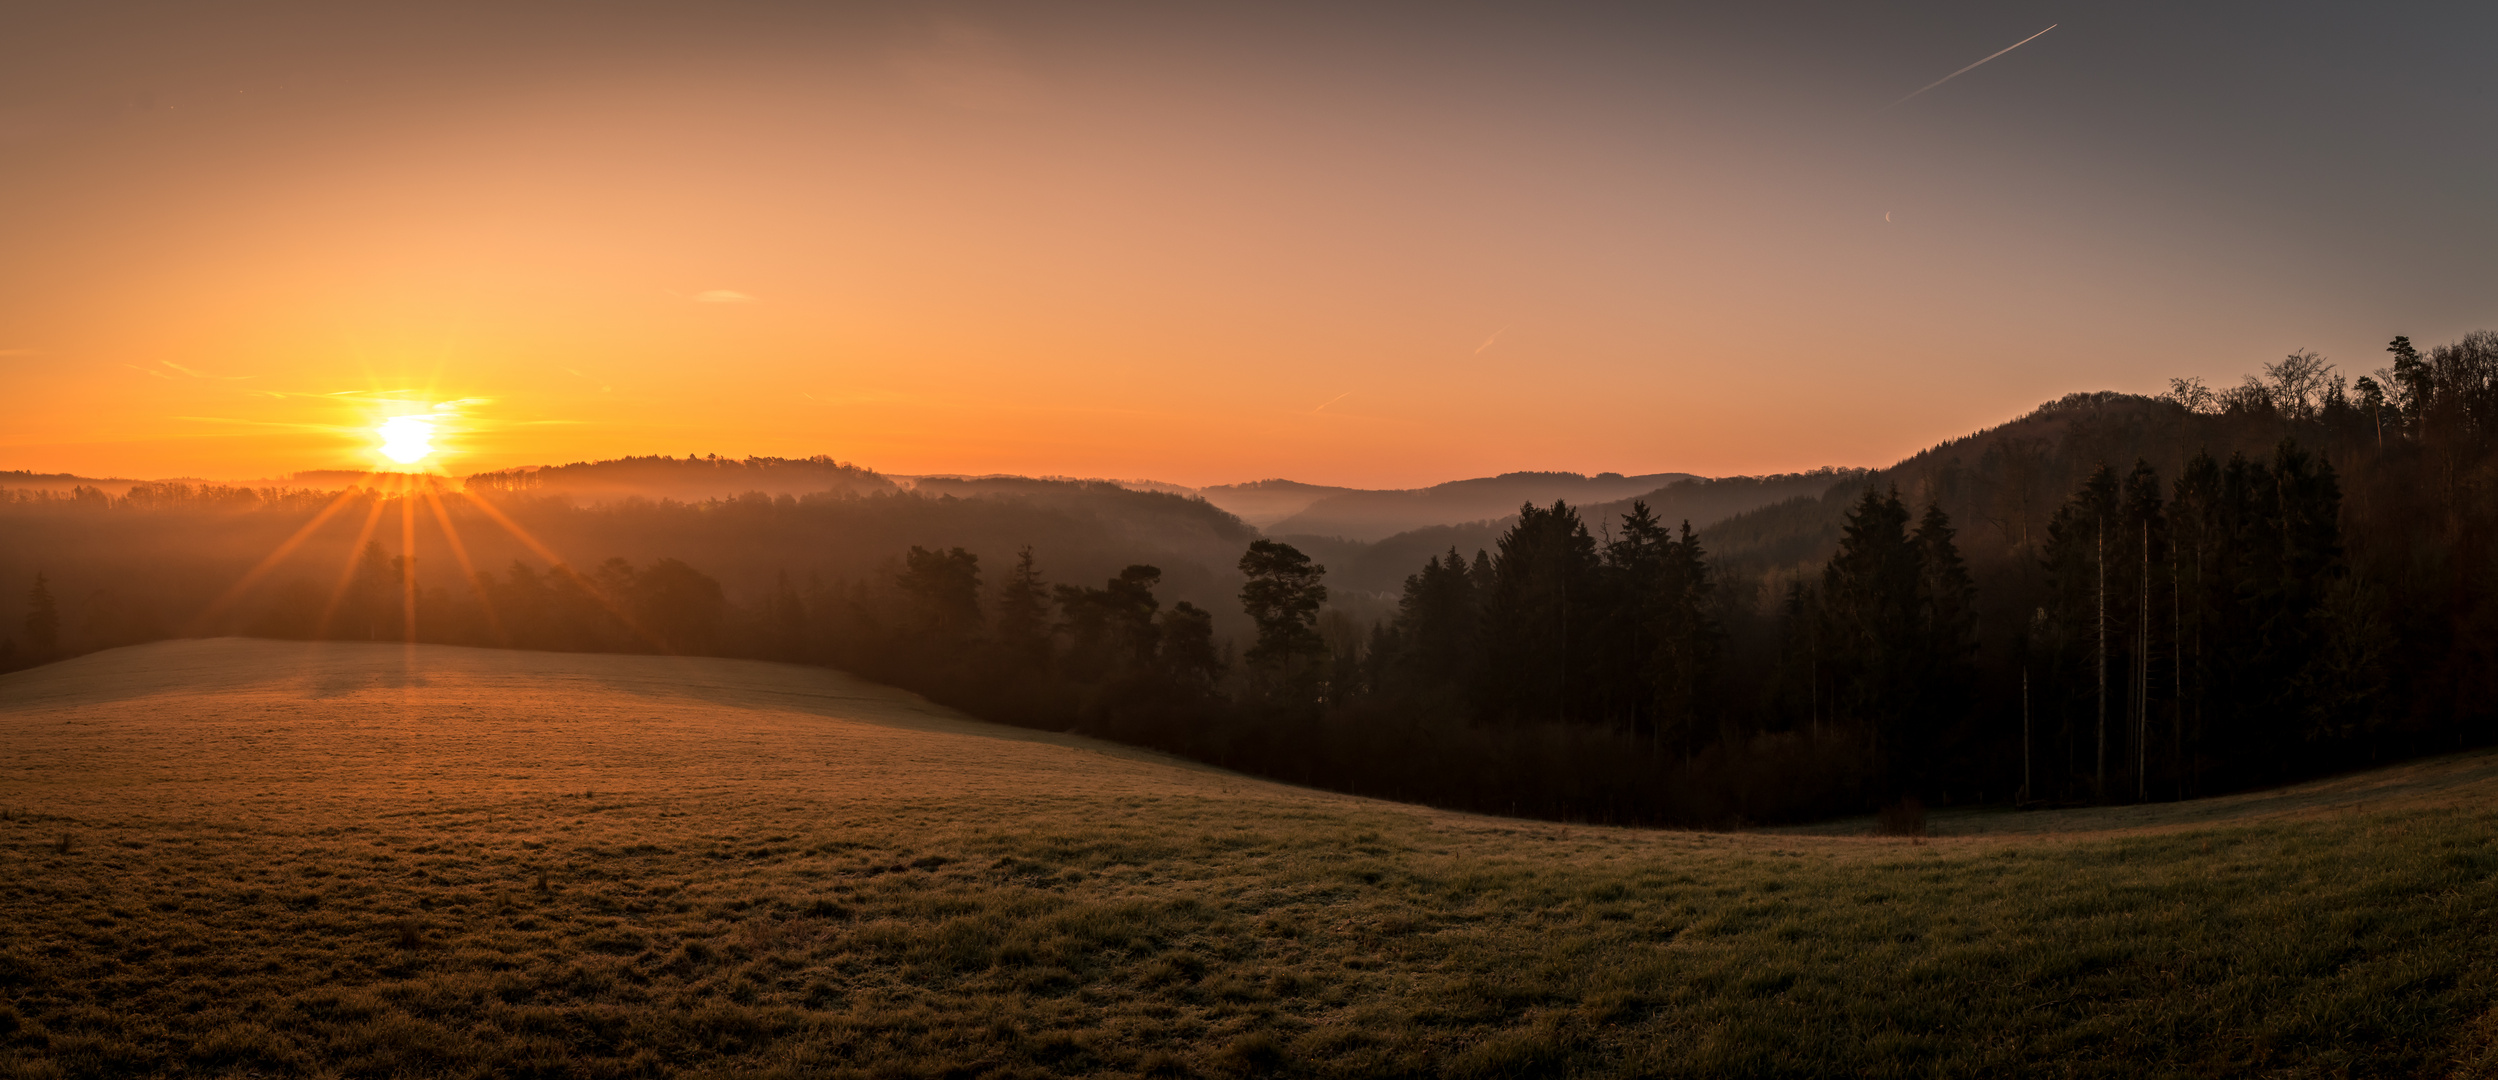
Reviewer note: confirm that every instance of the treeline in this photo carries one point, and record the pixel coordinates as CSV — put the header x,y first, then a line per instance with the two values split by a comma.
x,y
2301,581
2115,598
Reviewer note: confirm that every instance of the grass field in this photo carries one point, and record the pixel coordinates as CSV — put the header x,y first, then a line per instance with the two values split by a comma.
x,y
256,858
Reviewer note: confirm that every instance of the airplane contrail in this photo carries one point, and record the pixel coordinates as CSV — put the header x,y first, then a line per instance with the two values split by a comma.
x,y
1966,70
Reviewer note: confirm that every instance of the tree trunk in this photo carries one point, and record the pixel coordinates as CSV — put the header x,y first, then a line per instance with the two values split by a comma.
x,y
2099,777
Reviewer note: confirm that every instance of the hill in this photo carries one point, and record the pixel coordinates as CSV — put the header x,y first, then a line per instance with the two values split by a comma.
x,y
236,856
1382,566
1376,515
1264,502
690,479
61,483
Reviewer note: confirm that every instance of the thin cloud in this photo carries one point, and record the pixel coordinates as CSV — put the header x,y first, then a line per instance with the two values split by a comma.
x,y
17,352
283,426
723,296
1487,342
149,371
1332,400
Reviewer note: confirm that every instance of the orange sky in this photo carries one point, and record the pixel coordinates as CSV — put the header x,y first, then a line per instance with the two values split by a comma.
x,y
1122,242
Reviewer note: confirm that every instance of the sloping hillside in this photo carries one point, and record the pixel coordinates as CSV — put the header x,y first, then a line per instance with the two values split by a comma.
x,y
234,856
2001,485
1381,567
1265,502
1376,515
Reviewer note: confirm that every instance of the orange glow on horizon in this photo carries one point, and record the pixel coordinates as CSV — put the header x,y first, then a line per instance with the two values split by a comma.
x,y
1189,248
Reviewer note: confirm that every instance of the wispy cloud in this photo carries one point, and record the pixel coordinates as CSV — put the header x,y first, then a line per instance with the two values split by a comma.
x,y
17,352
1331,401
281,425
1487,342
149,371
722,296
195,373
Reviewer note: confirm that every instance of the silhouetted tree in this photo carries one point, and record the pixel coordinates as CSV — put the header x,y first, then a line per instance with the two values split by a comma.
x,y
1111,628
1946,643
679,605
2076,561
1023,611
1545,593
43,621
1682,664
1187,652
1437,641
1283,596
945,584
1870,596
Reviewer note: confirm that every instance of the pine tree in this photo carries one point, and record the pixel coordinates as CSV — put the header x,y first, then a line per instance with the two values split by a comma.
x,y
1869,595
2076,563
946,587
1283,596
1187,651
1438,629
43,621
1023,611
1545,600
1688,639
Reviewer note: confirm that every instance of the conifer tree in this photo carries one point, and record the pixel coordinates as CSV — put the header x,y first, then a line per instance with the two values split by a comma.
x,y
43,621
1023,611
946,586
1683,663
1187,651
2076,563
1283,596
1869,596
1544,595
1438,626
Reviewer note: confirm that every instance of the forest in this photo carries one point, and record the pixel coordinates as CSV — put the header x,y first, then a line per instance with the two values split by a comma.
x,y
2113,599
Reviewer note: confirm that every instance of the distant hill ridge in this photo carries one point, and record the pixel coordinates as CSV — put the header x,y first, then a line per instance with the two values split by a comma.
x,y
690,478
1377,515
1381,566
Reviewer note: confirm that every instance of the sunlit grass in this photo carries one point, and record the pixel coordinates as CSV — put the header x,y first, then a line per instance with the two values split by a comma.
x,y
304,859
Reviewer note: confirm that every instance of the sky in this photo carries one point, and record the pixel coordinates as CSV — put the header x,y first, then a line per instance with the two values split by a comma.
x,y
1380,245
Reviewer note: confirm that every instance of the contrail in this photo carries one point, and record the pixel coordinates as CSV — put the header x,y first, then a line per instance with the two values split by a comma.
x,y
1333,400
1966,70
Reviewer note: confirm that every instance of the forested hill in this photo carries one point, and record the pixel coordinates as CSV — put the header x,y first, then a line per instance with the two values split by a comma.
x,y
1364,516
687,479
1382,566
2001,485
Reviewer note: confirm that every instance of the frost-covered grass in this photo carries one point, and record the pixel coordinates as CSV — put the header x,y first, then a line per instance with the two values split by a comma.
x,y
372,861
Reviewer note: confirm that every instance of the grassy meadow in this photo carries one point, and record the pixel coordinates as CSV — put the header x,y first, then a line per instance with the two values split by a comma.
x,y
234,857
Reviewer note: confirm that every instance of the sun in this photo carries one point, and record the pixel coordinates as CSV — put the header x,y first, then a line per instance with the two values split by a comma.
x,y
407,439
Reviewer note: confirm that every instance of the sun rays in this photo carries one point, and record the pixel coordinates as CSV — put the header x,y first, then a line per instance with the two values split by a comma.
x,y
416,497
